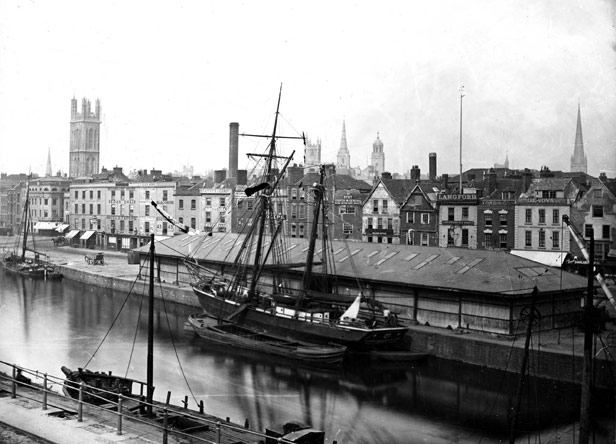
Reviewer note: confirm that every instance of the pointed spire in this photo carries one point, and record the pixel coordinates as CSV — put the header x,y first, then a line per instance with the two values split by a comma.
x,y
344,157
578,160
343,140
48,170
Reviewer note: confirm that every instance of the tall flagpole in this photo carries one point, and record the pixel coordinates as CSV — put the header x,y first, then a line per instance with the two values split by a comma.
x,y
461,90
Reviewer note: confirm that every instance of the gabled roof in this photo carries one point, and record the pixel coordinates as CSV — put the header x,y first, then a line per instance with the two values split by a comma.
x,y
450,269
398,189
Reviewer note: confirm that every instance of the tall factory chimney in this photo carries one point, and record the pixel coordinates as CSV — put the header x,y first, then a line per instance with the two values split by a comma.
x,y
233,150
432,166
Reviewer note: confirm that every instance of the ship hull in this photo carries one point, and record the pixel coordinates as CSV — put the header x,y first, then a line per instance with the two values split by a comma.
x,y
312,327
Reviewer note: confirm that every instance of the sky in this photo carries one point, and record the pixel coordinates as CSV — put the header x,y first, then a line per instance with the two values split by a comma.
x,y
172,75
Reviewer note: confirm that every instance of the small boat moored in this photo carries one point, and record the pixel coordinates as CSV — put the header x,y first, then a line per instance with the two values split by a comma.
x,y
240,336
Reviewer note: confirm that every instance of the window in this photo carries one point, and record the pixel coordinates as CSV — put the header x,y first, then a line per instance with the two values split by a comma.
x,y
302,211
384,206
503,240
181,220
249,204
541,215
76,208
370,224
293,211
529,216
193,204
208,201
390,223
464,236
147,210
208,217
347,229
131,210
112,209
528,238
131,194
451,213
83,208
379,223
555,217
76,194
112,226
588,231
302,195
122,193
221,202
91,208
347,209
450,238
193,222
487,239
113,194
83,224
555,239
181,204
164,227
165,195
121,226
98,194
375,206
130,226
541,238
503,220
146,227
548,194
425,218
488,222
98,208
605,232
147,194
293,230
464,213
91,194
301,229
83,194
410,217
293,193
222,220
597,211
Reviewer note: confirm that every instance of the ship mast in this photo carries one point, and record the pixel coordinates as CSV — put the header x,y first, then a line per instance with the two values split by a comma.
x,y
318,191
25,222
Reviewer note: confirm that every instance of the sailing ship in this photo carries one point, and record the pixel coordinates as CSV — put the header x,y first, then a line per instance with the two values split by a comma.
x,y
313,311
16,260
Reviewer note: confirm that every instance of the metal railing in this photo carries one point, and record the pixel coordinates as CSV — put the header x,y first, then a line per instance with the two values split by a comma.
x,y
218,428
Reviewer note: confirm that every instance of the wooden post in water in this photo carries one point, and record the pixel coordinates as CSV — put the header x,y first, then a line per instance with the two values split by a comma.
x,y
150,362
45,391
588,339
80,407
14,385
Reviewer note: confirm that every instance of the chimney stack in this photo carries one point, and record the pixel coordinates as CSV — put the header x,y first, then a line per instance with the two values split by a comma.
x,y
445,179
233,149
415,173
432,166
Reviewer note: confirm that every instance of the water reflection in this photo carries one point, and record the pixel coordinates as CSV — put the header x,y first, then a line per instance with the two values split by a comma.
x,y
50,324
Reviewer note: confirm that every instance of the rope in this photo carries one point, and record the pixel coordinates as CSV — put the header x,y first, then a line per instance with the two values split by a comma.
x,y
177,357
114,319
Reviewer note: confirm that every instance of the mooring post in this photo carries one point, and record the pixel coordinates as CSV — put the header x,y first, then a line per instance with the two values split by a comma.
x,y
45,391
217,432
119,414
168,397
80,405
14,386
165,427
201,406
185,401
246,424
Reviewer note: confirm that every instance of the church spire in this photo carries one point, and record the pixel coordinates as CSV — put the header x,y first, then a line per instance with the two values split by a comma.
x,y
48,170
344,157
578,160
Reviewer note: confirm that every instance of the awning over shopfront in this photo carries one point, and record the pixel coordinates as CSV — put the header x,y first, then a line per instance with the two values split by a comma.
x,y
46,225
549,258
71,234
86,235
60,228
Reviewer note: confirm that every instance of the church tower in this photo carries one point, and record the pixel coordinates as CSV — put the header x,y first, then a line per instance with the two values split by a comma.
x,y
343,160
378,157
312,156
85,139
578,160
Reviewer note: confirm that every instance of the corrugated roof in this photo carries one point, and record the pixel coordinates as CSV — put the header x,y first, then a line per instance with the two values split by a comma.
x,y
454,269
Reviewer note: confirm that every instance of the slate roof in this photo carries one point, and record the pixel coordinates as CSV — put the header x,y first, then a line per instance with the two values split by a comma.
x,y
450,269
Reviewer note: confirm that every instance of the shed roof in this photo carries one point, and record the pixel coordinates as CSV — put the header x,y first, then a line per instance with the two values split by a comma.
x,y
450,269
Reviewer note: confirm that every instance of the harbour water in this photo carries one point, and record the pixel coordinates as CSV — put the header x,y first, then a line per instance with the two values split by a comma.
x,y
47,324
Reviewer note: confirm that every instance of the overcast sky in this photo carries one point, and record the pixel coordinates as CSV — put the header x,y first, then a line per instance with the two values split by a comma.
x,y
172,75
